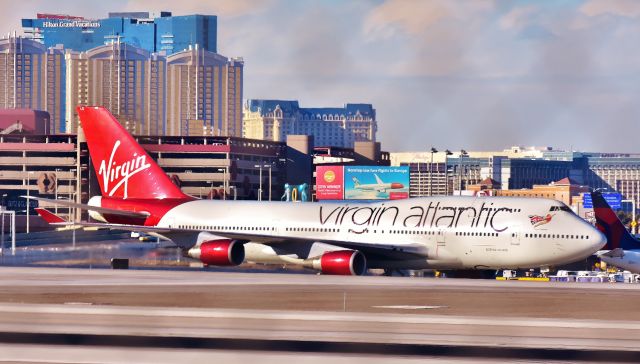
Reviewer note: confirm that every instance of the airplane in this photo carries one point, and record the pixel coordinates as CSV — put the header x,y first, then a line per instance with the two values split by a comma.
x,y
622,249
343,238
379,186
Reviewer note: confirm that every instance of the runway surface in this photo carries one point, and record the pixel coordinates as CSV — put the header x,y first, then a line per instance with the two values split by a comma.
x,y
242,314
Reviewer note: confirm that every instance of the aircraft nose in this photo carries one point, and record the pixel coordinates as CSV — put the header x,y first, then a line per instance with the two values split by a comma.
x,y
595,241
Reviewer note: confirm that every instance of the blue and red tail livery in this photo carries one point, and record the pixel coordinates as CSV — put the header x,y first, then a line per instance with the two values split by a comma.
x,y
607,222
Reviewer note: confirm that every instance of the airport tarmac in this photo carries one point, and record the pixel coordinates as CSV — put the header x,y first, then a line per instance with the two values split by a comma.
x,y
244,313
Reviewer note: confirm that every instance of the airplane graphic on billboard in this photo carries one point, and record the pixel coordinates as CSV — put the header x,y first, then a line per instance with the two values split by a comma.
x,y
379,186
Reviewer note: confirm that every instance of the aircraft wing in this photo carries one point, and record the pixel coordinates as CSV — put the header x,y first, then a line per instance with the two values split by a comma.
x,y
185,238
56,220
102,210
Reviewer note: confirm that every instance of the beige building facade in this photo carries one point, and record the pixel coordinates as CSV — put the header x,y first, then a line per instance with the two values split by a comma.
x,y
331,127
128,81
204,91
32,77
190,93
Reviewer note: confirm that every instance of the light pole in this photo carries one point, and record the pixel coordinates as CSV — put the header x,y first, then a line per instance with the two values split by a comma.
x,y
210,189
224,183
463,153
28,197
447,153
433,150
269,166
235,192
72,214
260,166
2,232
260,182
633,216
56,190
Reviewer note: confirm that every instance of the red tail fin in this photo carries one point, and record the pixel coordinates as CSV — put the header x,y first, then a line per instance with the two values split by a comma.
x,y
124,169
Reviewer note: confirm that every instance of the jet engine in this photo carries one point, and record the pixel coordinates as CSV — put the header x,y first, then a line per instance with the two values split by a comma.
x,y
222,252
341,262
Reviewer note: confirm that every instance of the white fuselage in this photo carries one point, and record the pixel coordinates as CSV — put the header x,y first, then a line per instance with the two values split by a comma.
x,y
442,232
628,260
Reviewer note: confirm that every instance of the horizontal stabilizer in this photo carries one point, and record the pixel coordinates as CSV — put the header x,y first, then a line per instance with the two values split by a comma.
x,y
101,210
615,253
49,216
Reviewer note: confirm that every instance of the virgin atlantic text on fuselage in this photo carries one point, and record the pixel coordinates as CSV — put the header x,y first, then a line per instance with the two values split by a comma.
x,y
433,215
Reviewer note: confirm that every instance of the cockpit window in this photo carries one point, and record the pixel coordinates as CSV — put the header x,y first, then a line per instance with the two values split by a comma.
x,y
560,208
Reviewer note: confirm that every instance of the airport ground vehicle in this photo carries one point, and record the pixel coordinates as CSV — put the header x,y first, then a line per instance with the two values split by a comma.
x,y
335,238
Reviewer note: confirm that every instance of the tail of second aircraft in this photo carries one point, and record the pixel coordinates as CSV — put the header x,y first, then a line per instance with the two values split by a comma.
x,y
378,179
124,169
607,222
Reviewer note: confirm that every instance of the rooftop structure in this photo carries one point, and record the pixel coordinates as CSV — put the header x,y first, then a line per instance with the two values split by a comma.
x,y
152,32
330,126
24,121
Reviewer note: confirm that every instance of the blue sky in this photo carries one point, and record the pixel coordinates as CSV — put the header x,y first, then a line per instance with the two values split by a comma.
x,y
473,74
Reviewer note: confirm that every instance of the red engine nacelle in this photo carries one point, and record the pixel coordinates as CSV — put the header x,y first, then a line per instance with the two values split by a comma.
x,y
221,252
343,262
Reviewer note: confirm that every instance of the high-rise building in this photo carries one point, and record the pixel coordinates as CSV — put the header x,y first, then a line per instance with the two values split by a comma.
x,y
190,93
127,80
154,33
33,77
158,74
330,126
204,94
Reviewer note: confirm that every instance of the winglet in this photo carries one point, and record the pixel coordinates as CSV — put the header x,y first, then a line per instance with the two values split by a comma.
x,y
49,216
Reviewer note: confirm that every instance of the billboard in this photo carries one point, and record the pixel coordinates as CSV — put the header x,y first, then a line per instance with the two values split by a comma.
x,y
362,183
376,183
12,200
614,199
329,183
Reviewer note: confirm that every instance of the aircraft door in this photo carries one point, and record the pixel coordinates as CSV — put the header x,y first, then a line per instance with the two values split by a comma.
x,y
171,222
277,225
438,244
515,238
